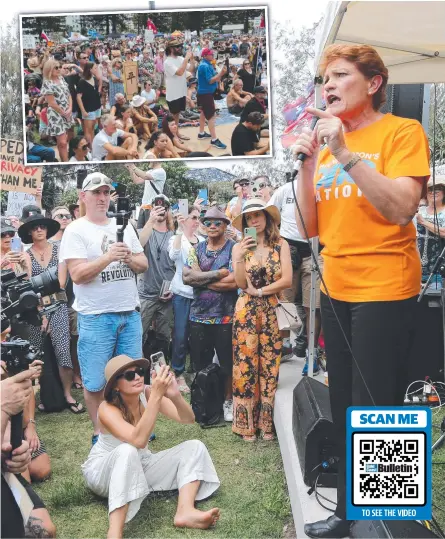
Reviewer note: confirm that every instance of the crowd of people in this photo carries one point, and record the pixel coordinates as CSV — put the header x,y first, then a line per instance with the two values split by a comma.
x,y
77,93
205,281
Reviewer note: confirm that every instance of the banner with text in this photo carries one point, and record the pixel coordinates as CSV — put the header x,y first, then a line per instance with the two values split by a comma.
x,y
15,176
17,201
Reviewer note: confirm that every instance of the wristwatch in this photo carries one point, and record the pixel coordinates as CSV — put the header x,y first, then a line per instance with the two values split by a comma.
x,y
260,292
355,159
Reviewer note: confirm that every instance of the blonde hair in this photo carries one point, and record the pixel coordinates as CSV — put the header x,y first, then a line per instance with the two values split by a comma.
x,y
48,68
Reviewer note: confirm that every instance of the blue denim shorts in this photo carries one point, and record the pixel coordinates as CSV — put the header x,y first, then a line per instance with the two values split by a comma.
x,y
102,337
95,115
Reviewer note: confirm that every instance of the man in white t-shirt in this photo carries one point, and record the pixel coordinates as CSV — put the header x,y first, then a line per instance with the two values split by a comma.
x,y
154,180
103,272
175,67
112,143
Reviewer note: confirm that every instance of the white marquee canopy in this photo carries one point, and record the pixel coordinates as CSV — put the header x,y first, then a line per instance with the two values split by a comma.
x,y
409,36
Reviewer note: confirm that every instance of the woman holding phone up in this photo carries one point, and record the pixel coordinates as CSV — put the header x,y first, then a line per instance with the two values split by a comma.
x,y
122,469
262,269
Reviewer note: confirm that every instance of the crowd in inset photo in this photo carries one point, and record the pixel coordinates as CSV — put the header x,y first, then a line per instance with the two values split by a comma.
x,y
200,93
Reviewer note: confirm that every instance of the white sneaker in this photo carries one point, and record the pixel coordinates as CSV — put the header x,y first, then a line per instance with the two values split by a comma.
x,y
182,384
228,411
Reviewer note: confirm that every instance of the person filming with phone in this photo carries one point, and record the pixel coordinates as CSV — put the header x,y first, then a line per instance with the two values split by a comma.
x,y
103,272
122,469
358,190
262,268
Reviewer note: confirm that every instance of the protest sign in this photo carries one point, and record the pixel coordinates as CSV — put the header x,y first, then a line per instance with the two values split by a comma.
x,y
15,176
130,76
28,42
149,36
17,201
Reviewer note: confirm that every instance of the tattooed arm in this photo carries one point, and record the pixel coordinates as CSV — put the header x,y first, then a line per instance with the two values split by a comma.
x,y
200,279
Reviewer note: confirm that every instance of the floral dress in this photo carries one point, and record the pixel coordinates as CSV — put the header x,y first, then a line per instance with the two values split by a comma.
x,y
430,245
256,349
149,65
57,124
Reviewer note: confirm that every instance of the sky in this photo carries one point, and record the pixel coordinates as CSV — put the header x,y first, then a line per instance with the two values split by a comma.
x,y
284,11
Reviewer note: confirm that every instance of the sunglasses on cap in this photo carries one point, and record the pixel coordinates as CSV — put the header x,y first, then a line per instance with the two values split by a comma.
x,y
39,227
97,181
63,216
131,375
208,223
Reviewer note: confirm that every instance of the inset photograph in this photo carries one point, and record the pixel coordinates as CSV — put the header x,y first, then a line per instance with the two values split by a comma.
x,y
131,86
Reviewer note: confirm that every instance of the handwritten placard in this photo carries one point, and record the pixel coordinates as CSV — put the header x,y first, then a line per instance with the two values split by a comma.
x,y
15,175
130,76
17,201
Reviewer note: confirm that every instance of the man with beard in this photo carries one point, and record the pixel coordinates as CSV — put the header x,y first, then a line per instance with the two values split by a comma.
x,y
175,67
154,238
209,271
257,104
103,271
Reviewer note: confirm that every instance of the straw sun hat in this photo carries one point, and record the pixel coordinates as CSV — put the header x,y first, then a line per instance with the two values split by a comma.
x,y
256,204
119,364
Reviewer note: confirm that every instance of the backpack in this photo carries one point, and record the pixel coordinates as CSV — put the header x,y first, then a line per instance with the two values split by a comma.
x,y
51,390
207,395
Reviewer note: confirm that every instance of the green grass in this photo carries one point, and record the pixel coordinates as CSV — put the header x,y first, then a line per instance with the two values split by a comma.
x,y
253,495
438,473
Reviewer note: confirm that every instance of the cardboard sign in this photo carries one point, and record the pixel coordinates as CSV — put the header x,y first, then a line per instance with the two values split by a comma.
x,y
130,76
28,42
149,36
17,201
15,176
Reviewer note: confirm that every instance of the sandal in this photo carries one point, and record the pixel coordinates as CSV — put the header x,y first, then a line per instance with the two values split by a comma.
x,y
182,137
77,385
247,438
41,408
268,437
74,407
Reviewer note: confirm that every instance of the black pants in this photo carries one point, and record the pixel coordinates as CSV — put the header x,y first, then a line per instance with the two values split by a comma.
x,y
380,334
205,339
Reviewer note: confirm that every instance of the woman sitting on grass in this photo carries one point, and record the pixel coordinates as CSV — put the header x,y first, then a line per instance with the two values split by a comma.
x,y
122,469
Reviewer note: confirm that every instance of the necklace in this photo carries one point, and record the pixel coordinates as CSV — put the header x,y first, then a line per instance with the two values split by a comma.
x,y
42,254
214,253
159,246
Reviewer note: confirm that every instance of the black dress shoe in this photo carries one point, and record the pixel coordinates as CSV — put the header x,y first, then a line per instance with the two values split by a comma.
x,y
332,527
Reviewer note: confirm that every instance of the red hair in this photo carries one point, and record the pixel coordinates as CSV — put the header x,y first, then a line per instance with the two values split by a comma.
x,y
366,60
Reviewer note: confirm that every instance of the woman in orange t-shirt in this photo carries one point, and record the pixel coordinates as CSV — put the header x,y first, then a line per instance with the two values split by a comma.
x,y
359,193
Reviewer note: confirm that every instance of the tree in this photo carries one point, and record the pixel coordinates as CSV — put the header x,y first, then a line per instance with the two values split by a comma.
x,y
10,85
37,25
437,126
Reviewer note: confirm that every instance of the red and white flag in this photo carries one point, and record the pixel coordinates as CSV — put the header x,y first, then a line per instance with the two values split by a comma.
x,y
44,36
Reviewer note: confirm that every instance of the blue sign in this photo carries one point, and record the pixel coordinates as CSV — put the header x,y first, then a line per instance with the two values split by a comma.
x,y
92,33
388,463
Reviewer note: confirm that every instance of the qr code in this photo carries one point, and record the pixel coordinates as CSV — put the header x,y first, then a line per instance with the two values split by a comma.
x,y
388,468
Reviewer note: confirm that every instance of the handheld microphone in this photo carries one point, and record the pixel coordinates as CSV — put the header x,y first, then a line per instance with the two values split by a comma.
x,y
302,156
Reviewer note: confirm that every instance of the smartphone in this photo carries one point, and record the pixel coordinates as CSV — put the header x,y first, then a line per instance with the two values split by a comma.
x,y
183,207
16,244
120,188
157,360
251,231
175,209
204,195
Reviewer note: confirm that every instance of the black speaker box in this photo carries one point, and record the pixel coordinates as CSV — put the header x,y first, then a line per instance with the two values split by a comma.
x,y
405,100
314,431
400,529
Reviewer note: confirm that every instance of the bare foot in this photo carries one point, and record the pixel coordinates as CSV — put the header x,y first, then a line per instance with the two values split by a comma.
x,y
197,519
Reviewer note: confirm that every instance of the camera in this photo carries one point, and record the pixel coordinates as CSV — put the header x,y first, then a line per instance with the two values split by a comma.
x,y
122,215
18,355
256,186
20,298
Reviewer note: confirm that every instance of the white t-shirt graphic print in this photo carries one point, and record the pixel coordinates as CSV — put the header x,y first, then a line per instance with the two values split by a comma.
x,y
114,289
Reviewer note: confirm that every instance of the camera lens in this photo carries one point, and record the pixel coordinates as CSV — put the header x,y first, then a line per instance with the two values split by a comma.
x,y
46,283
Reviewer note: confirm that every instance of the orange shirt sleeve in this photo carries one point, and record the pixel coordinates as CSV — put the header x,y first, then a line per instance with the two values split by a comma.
x,y
409,152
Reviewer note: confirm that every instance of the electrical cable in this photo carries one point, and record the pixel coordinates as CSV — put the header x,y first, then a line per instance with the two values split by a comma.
x,y
318,495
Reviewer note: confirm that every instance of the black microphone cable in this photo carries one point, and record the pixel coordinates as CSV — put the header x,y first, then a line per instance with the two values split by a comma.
x,y
300,159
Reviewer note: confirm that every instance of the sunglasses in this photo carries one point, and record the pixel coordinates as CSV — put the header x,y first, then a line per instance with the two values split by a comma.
x,y
244,184
57,67
84,147
131,375
436,190
208,223
247,64
7,235
97,181
39,227
62,216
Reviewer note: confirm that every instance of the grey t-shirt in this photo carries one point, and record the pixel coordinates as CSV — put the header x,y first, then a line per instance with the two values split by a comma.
x,y
160,266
